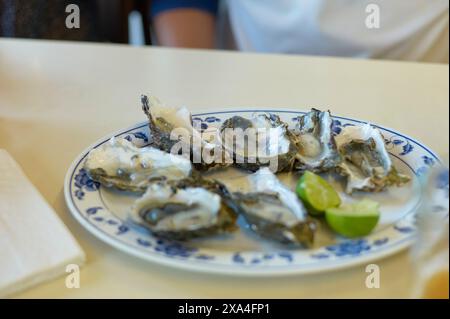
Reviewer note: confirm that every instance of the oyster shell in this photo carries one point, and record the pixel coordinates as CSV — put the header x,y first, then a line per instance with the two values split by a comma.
x,y
273,211
263,140
365,160
162,122
120,164
172,130
314,138
186,209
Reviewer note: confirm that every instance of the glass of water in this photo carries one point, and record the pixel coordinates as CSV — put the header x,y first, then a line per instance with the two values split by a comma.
x,y
430,253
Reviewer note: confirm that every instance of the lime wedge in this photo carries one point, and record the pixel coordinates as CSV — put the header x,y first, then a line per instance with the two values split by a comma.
x,y
317,193
354,220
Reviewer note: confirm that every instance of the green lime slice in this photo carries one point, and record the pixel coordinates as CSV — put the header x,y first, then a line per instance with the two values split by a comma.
x,y
354,220
317,193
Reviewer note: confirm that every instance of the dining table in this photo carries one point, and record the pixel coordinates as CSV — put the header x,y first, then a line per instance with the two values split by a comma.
x,y
58,97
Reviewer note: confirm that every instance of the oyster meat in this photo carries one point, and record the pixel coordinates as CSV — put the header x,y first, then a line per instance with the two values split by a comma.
x,y
274,212
365,161
263,140
119,163
186,209
172,130
314,138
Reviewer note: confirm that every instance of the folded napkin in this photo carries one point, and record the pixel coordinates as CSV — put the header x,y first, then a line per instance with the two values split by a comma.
x,y
35,245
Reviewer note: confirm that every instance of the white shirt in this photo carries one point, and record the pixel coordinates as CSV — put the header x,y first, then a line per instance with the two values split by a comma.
x,y
414,30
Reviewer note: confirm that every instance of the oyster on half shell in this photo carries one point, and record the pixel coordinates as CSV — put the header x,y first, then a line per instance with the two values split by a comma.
x,y
262,140
186,209
172,130
314,138
365,161
119,163
163,120
274,212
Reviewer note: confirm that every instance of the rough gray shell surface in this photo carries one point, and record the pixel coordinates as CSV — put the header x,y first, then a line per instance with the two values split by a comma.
x,y
165,123
264,140
274,212
186,209
120,164
315,141
366,163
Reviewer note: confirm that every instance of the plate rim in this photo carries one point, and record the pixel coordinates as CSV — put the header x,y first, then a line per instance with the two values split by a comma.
x,y
232,269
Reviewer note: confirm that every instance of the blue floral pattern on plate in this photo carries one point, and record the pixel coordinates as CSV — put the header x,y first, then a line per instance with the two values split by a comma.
x,y
404,144
83,182
202,124
349,248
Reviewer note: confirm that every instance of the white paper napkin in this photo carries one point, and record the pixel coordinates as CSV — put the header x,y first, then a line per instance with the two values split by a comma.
x,y
35,245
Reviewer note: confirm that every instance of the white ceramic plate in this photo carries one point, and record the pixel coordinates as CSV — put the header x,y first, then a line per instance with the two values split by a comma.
x,y
103,212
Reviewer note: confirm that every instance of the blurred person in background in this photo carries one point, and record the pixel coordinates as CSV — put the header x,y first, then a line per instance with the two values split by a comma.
x,y
415,30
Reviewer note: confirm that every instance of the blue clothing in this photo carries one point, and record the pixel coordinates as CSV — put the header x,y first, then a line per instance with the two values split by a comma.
x,y
158,6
